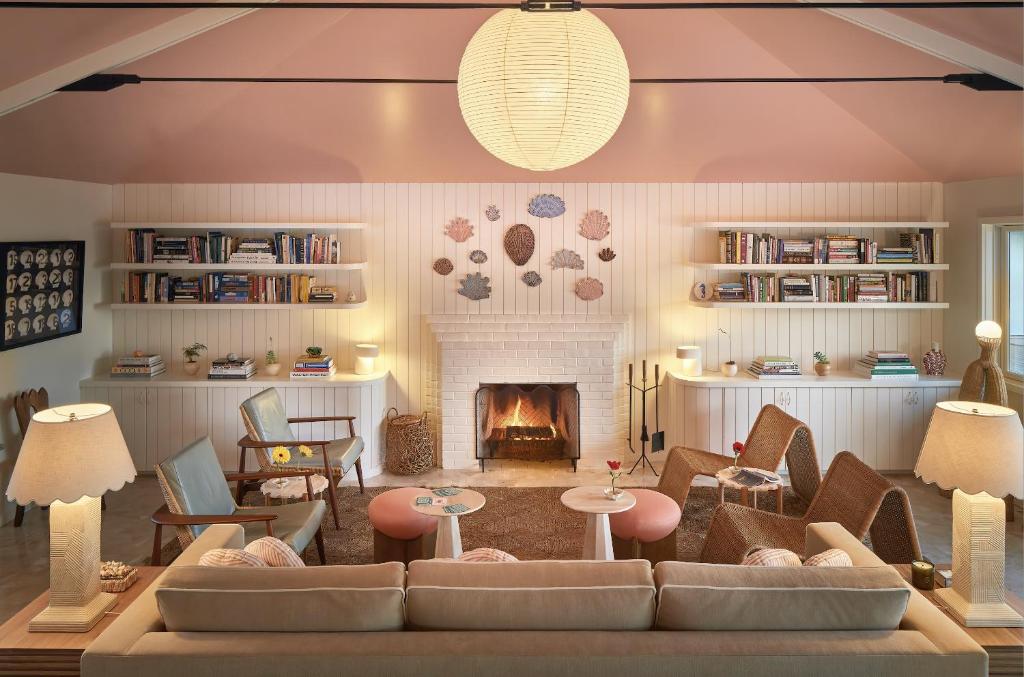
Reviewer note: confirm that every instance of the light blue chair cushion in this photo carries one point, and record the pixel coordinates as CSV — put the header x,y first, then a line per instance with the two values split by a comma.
x,y
265,417
341,453
296,523
195,480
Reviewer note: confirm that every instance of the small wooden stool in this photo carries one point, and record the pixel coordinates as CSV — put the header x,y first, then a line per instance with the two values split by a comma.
x,y
400,534
648,531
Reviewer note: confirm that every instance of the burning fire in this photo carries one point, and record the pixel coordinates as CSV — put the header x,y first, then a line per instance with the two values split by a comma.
x,y
516,421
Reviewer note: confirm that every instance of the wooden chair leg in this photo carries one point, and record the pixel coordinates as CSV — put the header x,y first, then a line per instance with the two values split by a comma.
x,y
320,545
19,515
332,493
778,500
359,474
155,558
240,488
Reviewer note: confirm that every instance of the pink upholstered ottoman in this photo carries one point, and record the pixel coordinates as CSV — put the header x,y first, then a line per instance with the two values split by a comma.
x,y
400,534
649,529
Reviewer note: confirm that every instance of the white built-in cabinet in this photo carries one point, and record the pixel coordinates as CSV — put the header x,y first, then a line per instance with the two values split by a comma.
x,y
161,415
881,422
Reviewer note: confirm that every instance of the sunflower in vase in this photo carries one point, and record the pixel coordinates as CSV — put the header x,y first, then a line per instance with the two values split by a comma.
x,y
281,456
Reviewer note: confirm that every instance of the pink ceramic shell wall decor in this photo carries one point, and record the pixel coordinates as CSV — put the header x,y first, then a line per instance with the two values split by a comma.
x,y
443,266
459,229
520,243
589,289
595,225
566,258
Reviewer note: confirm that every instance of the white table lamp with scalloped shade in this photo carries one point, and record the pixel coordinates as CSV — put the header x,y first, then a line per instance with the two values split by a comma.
x,y
978,449
71,456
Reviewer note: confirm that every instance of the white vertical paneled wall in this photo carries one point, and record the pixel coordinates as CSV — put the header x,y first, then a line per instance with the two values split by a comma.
x,y
649,280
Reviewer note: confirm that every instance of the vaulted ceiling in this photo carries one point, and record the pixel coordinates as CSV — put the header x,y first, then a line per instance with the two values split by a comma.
x,y
414,132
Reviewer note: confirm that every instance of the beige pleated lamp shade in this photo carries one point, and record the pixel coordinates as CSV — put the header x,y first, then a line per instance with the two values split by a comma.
x,y
543,90
70,452
974,447
367,350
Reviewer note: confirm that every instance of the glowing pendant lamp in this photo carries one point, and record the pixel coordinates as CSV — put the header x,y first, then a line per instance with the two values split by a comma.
x,y
543,90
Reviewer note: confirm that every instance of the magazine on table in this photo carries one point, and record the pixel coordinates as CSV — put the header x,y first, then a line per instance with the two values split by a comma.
x,y
753,477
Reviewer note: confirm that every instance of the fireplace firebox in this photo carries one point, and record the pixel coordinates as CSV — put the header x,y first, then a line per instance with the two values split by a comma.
x,y
528,421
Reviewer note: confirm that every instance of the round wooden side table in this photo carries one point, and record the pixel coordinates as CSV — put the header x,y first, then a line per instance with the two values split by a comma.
x,y
597,541
725,481
449,540
292,488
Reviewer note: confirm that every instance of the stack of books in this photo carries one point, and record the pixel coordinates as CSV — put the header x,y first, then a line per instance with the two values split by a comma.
x,y
313,367
254,250
796,289
847,249
886,364
186,290
796,251
774,367
170,250
232,368
922,244
896,255
311,248
871,288
138,245
228,287
729,291
138,366
323,294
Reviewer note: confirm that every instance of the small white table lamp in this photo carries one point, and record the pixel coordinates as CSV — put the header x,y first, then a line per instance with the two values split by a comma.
x,y
366,353
693,364
977,448
71,456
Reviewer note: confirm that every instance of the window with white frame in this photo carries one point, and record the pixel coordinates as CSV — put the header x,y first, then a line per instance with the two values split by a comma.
x,y
1010,284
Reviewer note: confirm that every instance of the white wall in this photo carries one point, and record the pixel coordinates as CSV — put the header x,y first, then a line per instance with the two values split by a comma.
x,y
49,209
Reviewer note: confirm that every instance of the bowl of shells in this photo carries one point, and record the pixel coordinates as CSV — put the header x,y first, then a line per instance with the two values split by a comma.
x,y
117,576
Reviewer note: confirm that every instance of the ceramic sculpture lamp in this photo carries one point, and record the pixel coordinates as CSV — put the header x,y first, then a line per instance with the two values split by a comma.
x,y
366,353
983,379
543,90
976,448
71,456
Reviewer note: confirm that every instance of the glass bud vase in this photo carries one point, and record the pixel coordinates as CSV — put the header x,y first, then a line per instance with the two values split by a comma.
x,y
934,361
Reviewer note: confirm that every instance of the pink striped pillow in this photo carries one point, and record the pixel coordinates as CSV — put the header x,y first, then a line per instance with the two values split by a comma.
x,y
230,557
274,552
487,555
771,557
829,558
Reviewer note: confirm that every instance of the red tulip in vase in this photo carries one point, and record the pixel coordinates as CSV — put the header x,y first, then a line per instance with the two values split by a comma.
x,y
737,450
615,471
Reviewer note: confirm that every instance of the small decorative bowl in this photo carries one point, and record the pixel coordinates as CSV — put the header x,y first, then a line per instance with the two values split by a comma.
x,y
117,576
613,494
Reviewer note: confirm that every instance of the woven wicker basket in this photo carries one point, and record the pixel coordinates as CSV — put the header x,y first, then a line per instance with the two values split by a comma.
x,y
410,450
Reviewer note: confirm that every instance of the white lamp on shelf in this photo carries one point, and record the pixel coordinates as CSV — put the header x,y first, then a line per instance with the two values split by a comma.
x,y
978,449
71,456
693,364
366,353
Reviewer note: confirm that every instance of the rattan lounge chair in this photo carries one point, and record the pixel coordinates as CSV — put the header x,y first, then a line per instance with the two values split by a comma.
x,y
852,494
774,434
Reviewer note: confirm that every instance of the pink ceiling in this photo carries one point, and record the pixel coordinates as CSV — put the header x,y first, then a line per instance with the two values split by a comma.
x,y
797,132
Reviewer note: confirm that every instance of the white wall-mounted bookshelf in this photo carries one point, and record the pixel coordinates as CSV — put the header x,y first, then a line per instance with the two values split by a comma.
x,y
238,267
237,225
819,225
167,307
795,267
806,305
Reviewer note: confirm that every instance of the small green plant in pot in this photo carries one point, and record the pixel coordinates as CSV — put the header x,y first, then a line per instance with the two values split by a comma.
x,y
192,353
271,364
314,351
822,365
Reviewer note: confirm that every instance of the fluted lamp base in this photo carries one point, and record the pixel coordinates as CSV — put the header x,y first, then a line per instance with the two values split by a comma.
x,y
977,598
76,603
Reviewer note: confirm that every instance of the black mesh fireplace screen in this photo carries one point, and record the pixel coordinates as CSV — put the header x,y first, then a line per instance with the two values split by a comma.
x,y
528,421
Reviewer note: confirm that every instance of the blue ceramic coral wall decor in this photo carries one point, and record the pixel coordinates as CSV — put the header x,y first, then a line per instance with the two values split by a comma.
x,y
546,206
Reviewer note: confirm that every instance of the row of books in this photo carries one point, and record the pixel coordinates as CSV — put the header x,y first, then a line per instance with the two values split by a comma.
x,y
313,367
746,247
224,288
886,364
144,245
138,366
911,287
774,367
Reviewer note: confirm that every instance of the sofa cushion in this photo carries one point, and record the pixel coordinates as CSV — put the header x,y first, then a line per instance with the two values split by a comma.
x,y
274,552
538,595
283,599
771,557
731,597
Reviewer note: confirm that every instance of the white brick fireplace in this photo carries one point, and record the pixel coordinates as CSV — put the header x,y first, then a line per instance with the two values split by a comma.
x,y
585,349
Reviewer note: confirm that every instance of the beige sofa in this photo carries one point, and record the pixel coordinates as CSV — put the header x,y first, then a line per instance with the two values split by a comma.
x,y
533,618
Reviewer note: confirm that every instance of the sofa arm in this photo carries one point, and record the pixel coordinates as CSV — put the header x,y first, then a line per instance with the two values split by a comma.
x,y
213,537
822,536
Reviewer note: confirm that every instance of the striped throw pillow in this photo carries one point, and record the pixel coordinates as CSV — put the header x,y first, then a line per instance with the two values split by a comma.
x,y
829,558
487,555
772,557
274,552
230,557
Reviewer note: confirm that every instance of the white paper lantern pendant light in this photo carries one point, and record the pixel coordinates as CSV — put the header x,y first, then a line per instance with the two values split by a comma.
x,y
543,90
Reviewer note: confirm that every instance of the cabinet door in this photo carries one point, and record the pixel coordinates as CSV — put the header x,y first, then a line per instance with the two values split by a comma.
x,y
786,399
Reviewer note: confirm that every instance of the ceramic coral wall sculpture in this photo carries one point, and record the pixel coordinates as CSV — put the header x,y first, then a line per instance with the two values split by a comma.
x,y
589,289
475,287
546,206
606,254
459,229
566,258
443,266
478,256
493,213
595,225
520,243
532,278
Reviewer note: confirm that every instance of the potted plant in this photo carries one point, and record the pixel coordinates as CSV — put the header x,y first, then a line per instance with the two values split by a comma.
x,y
314,351
729,368
271,364
822,366
192,354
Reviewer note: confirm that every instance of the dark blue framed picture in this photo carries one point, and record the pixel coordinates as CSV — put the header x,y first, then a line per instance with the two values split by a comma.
x,y
42,291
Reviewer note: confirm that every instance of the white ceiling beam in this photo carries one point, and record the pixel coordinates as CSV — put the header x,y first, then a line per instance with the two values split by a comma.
x,y
932,42
117,54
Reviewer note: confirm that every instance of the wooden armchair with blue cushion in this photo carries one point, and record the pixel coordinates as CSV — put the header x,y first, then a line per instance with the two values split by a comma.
x,y
197,495
268,426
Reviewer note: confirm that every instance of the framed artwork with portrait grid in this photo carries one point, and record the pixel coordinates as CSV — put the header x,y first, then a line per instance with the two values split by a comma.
x,y
42,291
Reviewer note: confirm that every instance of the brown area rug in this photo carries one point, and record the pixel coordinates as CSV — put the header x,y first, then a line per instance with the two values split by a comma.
x,y
528,522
